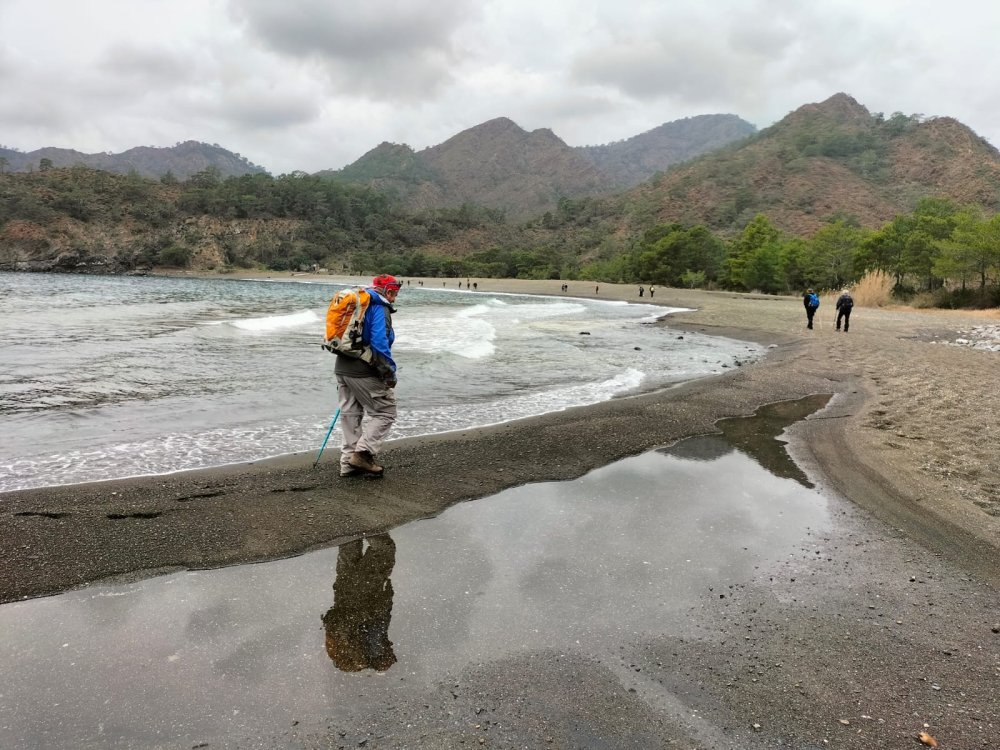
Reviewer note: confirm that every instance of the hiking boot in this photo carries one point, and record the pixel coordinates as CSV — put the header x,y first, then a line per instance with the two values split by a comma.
x,y
365,461
353,473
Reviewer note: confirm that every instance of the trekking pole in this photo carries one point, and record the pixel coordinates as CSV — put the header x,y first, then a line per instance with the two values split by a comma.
x,y
328,433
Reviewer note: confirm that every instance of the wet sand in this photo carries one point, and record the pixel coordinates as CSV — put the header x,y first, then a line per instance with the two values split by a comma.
x,y
907,438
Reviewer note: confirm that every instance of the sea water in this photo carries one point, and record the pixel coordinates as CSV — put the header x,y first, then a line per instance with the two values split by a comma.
x,y
105,377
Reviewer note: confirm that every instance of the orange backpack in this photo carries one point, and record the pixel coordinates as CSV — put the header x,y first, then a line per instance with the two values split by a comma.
x,y
345,319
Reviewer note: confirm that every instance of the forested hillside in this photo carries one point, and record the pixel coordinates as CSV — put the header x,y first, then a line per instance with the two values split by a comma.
x,y
87,220
825,196
639,158
180,161
826,161
500,165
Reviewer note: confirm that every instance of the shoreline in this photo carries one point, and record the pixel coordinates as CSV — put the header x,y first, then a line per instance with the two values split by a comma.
x,y
879,451
60,473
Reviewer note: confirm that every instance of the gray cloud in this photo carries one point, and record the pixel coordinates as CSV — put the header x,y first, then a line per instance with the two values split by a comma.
x,y
7,65
677,68
762,41
149,67
40,114
270,110
573,105
307,84
380,48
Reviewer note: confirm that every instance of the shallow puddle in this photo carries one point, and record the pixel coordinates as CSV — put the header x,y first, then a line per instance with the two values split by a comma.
x,y
243,652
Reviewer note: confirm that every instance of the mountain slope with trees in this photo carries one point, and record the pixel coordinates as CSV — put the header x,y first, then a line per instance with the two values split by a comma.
x,y
825,196
639,158
502,166
495,164
180,161
826,161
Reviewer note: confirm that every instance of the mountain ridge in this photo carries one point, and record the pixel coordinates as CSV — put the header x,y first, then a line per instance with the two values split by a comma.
x,y
824,160
182,160
501,165
824,163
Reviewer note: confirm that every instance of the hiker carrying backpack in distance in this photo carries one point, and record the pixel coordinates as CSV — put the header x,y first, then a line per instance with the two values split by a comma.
x,y
359,331
811,301
845,303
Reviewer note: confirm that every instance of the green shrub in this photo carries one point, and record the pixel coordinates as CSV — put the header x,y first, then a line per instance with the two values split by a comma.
x,y
175,256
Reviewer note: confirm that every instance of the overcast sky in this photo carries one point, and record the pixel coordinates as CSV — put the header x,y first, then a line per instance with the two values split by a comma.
x,y
314,84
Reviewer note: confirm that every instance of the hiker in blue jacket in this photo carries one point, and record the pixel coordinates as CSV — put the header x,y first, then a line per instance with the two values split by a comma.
x,y
811,301
369,390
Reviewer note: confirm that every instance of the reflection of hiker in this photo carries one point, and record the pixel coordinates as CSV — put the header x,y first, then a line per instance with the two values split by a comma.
x,y
357,625
811,301
845,303
641,290
369,390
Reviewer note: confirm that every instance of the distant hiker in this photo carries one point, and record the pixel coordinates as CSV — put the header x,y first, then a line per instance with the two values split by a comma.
x,y
369,390
811,302
845,303
475,286
597,289
642,291
651,290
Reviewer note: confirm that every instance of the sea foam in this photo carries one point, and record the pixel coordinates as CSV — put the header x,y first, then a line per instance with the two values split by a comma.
x,y
272,322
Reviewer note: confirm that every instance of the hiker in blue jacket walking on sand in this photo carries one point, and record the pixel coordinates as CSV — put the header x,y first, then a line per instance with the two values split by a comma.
x,y
811,301
368,390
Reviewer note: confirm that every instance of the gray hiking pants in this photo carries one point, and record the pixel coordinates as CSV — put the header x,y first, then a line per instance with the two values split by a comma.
x,y
364,397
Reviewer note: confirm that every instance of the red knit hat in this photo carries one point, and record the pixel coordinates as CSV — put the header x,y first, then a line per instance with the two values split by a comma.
x,y
386,281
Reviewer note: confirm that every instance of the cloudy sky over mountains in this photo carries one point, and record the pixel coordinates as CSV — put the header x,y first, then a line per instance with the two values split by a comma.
x,y
313,84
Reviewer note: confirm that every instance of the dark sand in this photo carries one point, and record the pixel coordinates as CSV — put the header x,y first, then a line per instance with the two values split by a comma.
x,y
901,599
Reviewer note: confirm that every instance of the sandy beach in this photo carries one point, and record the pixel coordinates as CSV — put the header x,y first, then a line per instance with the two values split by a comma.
x,y
908,441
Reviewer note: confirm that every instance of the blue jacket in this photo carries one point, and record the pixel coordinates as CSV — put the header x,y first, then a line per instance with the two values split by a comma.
x,y
378,333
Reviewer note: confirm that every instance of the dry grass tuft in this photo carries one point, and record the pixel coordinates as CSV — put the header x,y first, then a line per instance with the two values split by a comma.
x,y
874,289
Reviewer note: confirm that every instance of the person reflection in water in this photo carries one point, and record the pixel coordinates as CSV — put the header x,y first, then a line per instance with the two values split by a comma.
x,y
357,625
